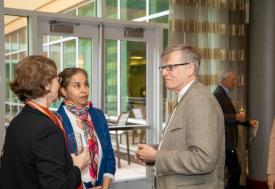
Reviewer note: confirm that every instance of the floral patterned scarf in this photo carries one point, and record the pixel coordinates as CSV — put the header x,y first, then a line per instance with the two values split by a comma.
x,y
88,127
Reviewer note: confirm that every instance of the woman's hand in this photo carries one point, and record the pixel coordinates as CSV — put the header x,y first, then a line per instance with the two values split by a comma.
x,y
82,160
270,181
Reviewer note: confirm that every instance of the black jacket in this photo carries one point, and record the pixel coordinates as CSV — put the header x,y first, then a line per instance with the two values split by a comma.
x,y
35,155
231,124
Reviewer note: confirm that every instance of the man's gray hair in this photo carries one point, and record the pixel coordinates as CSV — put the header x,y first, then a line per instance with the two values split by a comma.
x,y
189,54
224,74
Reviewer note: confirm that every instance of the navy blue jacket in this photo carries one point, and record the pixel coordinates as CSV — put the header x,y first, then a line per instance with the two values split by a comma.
x,y
108,163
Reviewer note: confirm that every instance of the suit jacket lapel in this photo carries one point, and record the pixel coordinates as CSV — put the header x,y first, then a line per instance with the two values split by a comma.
x,y
174,111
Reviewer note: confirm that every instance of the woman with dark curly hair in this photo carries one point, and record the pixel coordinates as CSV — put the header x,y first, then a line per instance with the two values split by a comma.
x,y
35,153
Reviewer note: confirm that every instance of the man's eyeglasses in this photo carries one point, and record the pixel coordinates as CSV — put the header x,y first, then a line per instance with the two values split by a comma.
x,y
170,67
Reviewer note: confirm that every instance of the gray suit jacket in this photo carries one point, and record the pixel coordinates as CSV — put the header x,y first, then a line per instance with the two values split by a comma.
x,y
191,155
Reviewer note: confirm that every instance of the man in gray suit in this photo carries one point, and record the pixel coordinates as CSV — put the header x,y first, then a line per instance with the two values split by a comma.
x,y
191,152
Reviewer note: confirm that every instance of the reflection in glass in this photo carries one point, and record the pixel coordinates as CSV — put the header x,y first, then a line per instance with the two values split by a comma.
x,y
7,86
14,98
163,19
111,9
22,55
125,76
110,82
45,39
16,49
85,57
54,38
69,54
22,39
14,41
125,91
87,10
55,54
156,6
45,51
7,44
131,9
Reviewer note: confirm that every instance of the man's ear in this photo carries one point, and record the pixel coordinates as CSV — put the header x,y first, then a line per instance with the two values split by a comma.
x,y
191,69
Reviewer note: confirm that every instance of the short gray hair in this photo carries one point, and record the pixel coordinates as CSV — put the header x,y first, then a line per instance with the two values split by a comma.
x,y
224,74
188,52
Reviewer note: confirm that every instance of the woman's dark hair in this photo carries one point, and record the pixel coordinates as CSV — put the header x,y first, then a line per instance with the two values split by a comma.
x,y
32,75
65,77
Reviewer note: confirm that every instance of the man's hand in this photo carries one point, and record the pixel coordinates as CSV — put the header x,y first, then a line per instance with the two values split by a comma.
x,y
254,123
241,116
146,153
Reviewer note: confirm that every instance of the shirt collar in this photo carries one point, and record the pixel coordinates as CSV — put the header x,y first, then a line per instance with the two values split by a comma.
x,y
184,90
225,88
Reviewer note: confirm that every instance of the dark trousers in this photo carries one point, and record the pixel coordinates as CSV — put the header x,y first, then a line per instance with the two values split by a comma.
x,y
233,168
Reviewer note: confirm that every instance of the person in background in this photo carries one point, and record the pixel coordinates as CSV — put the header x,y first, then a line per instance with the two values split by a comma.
x,y
191,152
271,158
34,153
79,116
227,82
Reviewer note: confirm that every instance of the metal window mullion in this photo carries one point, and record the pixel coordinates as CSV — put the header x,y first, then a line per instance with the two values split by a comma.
x,y
61,55
118,10
77,54
10,72
147,10
18,52
48,46
118,77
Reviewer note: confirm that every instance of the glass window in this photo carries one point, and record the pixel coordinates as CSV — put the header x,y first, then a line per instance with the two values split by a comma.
x,y
87,10
15,50
7,44
125,77
14,61
85,57
111,9
69,53
110,82
22,39
14,42
55,54
53,38
163,19
22,55
7,87
156,6
71,12
125,91
131,9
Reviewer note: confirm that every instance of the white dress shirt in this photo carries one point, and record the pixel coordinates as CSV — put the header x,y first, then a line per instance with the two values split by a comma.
x,y
85,175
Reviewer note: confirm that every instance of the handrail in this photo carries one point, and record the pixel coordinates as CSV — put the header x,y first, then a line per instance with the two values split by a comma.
x,y
127,127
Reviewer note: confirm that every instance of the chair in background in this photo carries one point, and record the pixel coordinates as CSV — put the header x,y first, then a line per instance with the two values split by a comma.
x,y
122,120
138,133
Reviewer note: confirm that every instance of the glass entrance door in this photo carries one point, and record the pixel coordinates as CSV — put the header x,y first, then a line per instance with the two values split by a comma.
x,y
121,69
